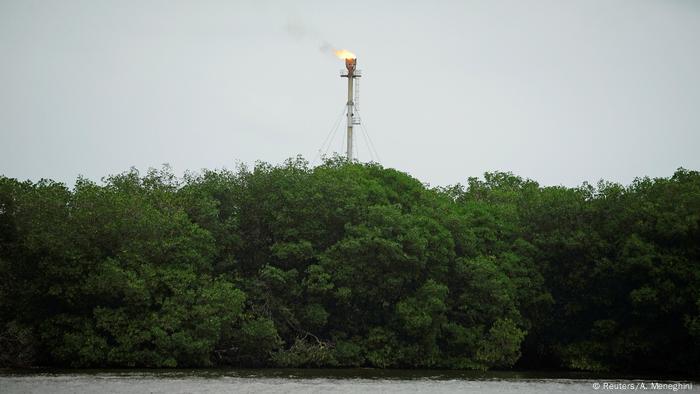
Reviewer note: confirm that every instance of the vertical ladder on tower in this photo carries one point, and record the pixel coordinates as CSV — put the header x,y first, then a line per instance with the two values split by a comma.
x,y
356,99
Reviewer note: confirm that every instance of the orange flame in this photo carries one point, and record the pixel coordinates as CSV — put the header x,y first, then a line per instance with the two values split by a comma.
x,y
345,54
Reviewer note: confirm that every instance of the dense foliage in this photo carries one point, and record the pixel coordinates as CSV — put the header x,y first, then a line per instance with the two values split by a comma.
x,y
350,264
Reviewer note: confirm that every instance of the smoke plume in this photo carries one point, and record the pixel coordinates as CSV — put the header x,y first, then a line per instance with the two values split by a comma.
x,y
299,31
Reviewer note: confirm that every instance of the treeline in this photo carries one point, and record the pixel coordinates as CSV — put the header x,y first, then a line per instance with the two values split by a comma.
x,y
349,264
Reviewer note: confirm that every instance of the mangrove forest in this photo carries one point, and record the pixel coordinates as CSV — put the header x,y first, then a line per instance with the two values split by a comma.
x,y
348,264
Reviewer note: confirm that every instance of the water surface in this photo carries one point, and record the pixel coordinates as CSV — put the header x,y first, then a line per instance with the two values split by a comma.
x,y
325,381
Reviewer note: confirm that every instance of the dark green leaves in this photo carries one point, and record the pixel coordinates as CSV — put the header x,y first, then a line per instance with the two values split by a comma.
x,y
349,264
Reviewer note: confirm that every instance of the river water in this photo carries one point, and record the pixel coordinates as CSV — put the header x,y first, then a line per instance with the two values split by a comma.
x,y
328,381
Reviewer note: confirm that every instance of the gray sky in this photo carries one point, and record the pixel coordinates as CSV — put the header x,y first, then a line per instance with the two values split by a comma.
x,y
557,91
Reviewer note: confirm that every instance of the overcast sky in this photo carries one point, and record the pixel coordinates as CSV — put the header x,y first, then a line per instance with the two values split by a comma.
x,y
558,91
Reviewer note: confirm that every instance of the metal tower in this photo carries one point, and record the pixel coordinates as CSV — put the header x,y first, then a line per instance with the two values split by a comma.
x,y
351,73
